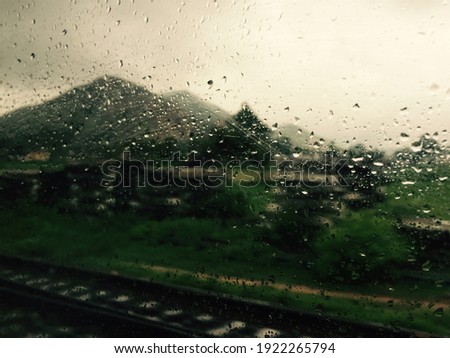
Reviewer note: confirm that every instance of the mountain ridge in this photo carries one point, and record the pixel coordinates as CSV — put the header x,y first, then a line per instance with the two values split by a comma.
x,y
108,115
103,117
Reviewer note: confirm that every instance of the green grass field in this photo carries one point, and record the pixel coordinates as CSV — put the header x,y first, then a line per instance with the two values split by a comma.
x,y
351,255
127,243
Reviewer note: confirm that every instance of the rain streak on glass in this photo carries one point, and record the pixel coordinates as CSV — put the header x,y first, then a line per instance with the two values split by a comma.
x,y
192,157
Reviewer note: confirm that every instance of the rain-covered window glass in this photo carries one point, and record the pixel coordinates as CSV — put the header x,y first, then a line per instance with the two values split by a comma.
x,y
224,168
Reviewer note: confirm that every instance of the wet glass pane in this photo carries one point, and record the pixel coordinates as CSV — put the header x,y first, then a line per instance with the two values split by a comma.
x,y
218,168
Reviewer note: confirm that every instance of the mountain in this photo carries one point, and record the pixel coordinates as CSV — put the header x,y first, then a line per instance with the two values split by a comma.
x,y
301,138
196,108
105,117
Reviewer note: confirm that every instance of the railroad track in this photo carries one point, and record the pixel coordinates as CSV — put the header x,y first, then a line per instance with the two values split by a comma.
x,y
117,306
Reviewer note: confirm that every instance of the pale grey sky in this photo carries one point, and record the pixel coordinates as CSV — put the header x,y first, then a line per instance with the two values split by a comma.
x,y
317,57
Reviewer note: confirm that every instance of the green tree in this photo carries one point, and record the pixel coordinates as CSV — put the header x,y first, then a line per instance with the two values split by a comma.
x,y
365,175
245,118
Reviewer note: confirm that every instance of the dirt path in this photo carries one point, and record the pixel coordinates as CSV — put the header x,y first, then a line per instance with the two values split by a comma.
x,y
427,224
301,289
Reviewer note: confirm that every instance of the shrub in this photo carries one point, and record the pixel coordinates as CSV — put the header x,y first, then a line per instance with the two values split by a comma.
x,y
362,247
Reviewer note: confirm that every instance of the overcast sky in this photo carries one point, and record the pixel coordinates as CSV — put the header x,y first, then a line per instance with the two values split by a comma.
x,y
316,57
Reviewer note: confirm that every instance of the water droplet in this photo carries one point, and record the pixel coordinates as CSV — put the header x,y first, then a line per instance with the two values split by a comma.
x,y
439,312
426,266
416,147
434,88
408,182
